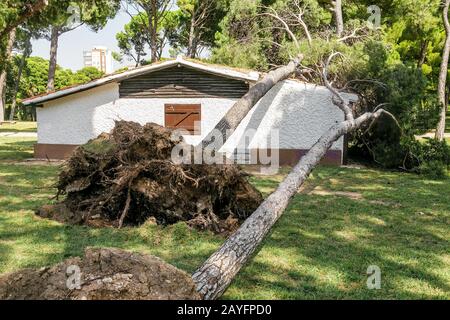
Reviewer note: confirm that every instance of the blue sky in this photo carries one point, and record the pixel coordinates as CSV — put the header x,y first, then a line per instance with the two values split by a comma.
x,y
72,44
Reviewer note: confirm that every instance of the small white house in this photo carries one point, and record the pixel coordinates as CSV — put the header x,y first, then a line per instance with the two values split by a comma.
x,y
178,93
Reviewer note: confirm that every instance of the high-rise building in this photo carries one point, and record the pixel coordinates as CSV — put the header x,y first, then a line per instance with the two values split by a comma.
x,y
100,58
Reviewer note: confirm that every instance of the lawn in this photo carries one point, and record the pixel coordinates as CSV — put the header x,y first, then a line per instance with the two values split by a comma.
x,y
24,126
345,220
16,148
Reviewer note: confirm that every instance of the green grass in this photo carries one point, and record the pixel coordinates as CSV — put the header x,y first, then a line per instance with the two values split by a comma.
x,y
320,248
12,148
25,126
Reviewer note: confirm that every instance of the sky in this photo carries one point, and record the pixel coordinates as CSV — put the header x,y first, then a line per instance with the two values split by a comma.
x,y
73,43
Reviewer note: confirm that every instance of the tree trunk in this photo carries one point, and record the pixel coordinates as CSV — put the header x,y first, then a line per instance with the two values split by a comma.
x,y
153,25
192,52
337,9
423,54
26,53
241,108
53,59
4,71
138,60
216,274
440,130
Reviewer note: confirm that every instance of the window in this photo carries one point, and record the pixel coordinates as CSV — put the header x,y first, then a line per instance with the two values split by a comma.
x,y
184,116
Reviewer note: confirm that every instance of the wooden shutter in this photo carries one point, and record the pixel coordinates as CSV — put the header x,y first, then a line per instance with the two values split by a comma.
x,y
183,116
182,82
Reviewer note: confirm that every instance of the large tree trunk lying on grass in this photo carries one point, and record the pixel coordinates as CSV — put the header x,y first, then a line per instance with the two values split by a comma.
x,y
241,108
216,274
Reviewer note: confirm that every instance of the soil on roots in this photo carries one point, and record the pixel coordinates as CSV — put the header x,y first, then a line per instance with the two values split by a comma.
x,y
102,274
127,177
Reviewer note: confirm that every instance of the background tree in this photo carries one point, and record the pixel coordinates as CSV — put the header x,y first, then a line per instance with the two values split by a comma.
x,y
34,82
442,84
26,49
16,12
67,16
338,16
199,23
4,68
152,15
133,39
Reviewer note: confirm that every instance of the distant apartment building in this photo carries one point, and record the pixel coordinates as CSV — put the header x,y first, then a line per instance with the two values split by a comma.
x,y
100,58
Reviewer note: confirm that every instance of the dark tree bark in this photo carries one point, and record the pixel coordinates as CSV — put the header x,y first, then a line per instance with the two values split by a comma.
x,y
26,53
440,130
423,53
4,71
241,108
54,39
156,11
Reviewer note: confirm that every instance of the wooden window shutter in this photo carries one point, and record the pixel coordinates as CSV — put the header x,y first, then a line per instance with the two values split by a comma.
x,y
184,116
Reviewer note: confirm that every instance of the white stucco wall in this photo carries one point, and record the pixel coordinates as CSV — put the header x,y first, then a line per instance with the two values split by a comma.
x,y
300,112
77,118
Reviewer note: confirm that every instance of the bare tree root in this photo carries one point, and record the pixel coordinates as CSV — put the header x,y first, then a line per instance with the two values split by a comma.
x,y
126,177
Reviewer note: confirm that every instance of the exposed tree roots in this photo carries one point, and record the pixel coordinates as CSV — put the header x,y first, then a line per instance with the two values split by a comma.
x,y
102,274
127,177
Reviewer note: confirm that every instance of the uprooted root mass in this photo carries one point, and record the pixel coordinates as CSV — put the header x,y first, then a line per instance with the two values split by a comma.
x,y
127,177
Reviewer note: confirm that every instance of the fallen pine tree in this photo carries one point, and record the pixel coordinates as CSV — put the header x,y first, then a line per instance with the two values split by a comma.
x,y
217,273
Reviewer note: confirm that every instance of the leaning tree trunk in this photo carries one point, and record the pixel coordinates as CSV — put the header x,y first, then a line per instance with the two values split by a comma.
x,y
216,274
26,53
337,10
241,108
4,70
53,59
440,130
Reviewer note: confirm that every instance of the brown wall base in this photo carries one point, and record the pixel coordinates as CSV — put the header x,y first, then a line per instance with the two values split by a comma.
x,y
53,151
290,157
287,157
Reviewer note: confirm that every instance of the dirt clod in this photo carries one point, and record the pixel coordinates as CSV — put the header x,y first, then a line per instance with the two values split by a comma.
x,y
127,177
102,274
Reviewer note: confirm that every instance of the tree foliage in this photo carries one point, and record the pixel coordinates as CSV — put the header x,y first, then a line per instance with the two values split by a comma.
x,y
401,59
34,79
